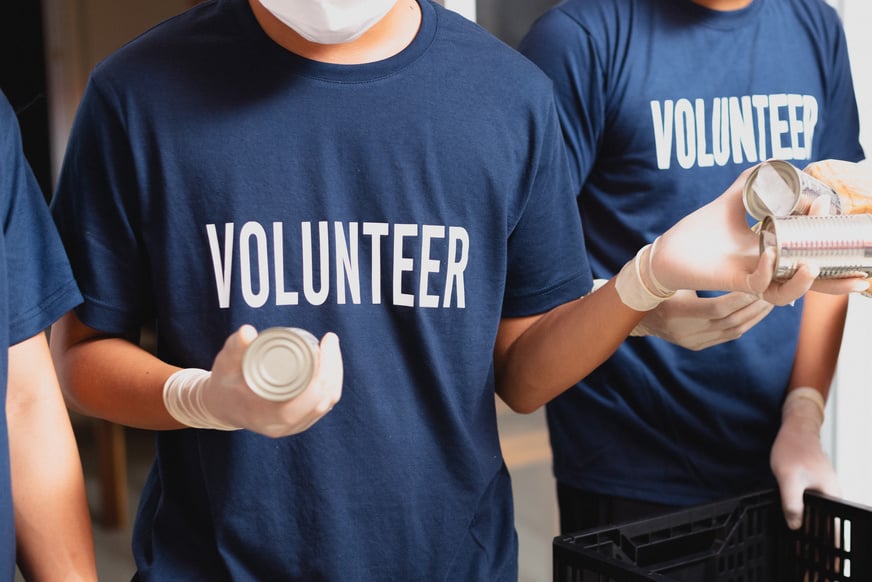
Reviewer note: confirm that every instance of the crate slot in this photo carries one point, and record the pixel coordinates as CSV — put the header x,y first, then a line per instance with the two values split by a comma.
x,y
743,539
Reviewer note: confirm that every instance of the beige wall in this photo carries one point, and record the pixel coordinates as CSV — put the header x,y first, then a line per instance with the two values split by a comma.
x,y
78,34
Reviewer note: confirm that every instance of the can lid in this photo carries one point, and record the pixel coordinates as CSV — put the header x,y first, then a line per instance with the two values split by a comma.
x,y
280,362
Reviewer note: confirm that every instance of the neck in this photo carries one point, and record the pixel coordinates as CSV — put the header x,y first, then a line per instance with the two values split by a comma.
x,y
387,37
723,5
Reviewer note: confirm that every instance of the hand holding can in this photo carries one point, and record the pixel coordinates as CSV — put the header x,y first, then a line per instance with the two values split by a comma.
x,y
836,242
778,188
838,246
280,362
288,386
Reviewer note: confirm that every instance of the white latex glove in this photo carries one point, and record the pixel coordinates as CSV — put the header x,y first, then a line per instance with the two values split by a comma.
x,y
713,248
697,323
221,399
797,458
636,285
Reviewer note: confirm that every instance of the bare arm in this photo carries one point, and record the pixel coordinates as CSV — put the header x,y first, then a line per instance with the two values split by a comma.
x,y
53,526
820,338
110,377
537,358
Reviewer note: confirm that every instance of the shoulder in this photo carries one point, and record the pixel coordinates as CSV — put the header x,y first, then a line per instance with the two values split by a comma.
x,y
8,126
601,26
10,131
820,8
821,24
485,59
198,30
7,115
586,35
596,16
12,160
817,17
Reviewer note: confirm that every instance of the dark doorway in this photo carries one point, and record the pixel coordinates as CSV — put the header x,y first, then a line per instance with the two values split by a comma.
x,y
23,80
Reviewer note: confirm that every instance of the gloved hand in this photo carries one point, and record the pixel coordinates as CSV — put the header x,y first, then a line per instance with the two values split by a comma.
x,y
697,323
713,248
851,181
221,399
636,284
797,459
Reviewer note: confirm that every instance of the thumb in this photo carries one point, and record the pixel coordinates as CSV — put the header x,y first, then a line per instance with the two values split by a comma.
x,y
785,292
229,359
791,501
240,339
820,206
827,483
330,367
246,334
760,279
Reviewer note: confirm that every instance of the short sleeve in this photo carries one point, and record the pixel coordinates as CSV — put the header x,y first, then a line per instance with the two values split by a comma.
x,y
842,101
567,54
548,263
96,213
40,285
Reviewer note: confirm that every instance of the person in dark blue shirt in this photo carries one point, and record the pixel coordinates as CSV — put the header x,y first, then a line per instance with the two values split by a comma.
x,y
45,527
384,173
662,104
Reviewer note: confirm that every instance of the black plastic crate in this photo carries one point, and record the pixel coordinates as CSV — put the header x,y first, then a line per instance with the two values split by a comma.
x,y
737,540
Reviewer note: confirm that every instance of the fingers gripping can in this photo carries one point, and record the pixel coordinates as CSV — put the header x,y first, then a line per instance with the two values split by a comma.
x,y
778,188
280,362
841,245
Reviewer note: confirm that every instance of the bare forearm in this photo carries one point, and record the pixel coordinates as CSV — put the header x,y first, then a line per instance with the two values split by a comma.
x,y
52,522
109,377
538,359
820,339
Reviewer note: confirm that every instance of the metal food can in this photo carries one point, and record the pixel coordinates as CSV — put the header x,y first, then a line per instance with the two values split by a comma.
x,y
280,362
778,188
840,245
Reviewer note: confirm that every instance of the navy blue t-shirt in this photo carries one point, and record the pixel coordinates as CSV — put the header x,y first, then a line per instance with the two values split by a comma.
x,y
215,179
663,103
36,287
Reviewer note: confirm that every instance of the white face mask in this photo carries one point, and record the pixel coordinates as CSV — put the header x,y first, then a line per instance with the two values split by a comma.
x,y
329,21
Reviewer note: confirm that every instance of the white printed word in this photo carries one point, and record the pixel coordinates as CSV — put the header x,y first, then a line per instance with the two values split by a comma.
x,y
750,128
429,282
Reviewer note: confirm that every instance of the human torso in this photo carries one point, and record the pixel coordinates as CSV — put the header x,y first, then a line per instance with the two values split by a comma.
x,y
682,99
36,287
377,202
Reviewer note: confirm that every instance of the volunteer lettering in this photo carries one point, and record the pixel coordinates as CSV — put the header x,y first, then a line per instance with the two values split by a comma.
x,y
751,128
435,280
